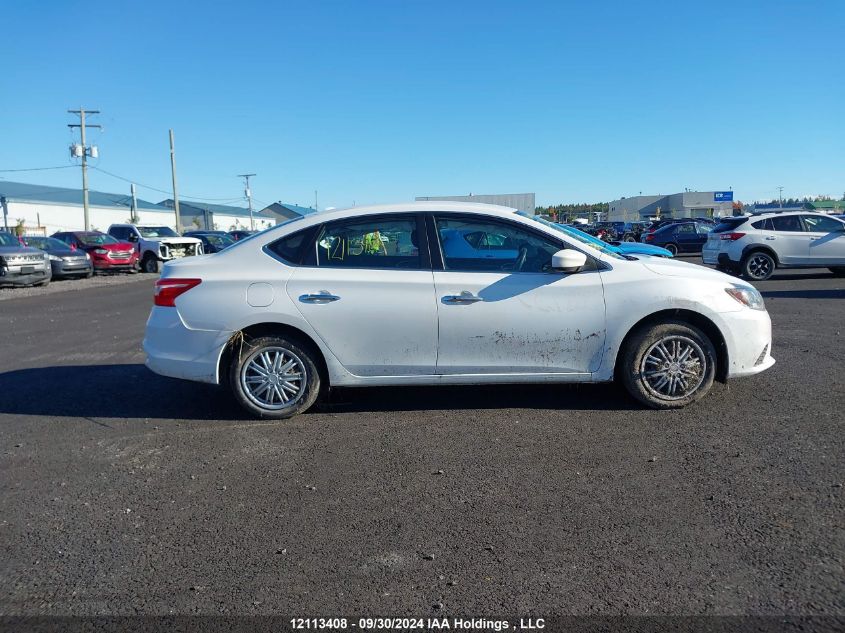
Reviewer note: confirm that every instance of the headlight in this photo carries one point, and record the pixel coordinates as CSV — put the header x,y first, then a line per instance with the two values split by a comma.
x,y
88,256
101,251
747,296
54,258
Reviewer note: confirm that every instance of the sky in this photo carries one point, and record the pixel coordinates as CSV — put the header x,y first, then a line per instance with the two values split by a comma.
x,y
374,101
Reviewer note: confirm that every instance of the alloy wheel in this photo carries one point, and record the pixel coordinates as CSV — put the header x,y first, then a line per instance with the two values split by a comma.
x,y
673,368
273,378
759,266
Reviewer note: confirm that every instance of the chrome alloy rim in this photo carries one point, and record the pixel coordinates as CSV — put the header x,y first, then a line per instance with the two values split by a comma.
x,y
759,266
673,368
273,378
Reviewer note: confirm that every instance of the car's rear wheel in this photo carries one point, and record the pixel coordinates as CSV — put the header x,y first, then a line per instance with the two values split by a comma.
x,y
630,238
758,266
274,377
672,248
668,365
839,271
150,263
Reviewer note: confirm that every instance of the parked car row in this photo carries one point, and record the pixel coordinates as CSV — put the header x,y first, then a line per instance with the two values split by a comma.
x,y
34,260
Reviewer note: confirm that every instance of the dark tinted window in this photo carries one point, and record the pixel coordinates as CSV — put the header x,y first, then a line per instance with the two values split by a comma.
x,y
291,247
787,223
370,242
729,224
820,224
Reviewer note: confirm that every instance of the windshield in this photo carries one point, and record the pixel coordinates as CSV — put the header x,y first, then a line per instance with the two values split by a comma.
x,y
575,234
157,231
6,239
219,240
45,243
95,239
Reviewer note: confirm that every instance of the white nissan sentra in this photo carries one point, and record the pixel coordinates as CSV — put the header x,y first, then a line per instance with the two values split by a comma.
x,y
435,293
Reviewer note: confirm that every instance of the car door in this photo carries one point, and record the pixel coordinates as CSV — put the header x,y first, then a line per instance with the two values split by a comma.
x,y
502,310
789,240
366,288
686,237
826,240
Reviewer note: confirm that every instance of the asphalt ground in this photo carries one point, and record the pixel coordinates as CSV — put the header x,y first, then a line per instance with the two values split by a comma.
x,y
123,492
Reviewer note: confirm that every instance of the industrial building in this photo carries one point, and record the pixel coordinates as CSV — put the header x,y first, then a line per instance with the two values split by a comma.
x,y
521,201
688,204
44,210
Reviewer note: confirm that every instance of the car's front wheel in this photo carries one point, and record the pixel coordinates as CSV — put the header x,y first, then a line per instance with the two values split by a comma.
x,y
758,266
150,263
668,365
274,377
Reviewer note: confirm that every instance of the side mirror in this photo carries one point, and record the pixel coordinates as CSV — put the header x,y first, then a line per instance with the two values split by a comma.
x,y
568,260
133,237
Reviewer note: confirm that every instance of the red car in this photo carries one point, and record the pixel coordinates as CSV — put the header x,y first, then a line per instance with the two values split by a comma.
x,y
107,253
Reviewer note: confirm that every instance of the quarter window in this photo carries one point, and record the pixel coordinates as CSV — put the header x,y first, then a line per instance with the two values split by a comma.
x,y
488,246
370,243
290,248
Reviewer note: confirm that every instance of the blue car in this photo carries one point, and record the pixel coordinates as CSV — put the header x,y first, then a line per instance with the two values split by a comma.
x,y
623,248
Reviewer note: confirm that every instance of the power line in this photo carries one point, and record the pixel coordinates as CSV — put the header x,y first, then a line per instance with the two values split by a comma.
x,y
37,168
108,173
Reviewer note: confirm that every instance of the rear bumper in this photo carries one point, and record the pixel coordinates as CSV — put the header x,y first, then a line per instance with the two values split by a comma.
x,y
177,351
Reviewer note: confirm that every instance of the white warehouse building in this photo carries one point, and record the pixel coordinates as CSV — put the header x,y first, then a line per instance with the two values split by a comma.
x,y
43,210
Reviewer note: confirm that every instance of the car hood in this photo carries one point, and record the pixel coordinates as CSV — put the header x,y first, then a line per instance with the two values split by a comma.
x,y
121,246
677,268
174,240
19,250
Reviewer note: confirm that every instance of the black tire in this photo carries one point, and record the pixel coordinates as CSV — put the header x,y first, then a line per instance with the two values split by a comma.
x,y
89,274
839,271
629,238
150,264
672,248
292,350
758,266
640,350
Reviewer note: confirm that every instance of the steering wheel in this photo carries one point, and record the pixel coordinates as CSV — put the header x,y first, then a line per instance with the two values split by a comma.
x,y
521,258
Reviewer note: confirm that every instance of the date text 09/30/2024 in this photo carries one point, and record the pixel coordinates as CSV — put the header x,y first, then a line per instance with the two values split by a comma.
x,y
460,624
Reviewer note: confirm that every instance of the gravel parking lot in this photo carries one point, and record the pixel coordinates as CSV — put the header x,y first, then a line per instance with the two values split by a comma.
x,y
125,493
71,284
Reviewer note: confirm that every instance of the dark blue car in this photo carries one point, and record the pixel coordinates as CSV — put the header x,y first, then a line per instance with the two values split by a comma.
x,y
680,237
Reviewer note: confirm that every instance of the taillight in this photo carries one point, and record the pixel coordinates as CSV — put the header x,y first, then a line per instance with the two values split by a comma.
x,y
167,290
731,236
649,237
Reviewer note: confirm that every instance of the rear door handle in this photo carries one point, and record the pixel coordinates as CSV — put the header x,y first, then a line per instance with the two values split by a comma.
x,y
465,297
324,296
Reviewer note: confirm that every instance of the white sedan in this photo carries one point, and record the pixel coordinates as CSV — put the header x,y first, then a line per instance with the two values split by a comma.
x,y
325,301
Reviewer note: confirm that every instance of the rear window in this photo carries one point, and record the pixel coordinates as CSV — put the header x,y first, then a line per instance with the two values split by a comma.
x,y
729,224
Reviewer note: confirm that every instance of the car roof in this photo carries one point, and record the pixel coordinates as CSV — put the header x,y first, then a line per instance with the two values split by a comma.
x,y
416,207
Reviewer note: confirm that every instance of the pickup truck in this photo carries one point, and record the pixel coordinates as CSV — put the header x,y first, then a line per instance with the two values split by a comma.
x,y
156,243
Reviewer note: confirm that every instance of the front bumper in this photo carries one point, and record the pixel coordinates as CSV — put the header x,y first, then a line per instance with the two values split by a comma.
x,y
177,351
104,263
748,336
12,276
70,268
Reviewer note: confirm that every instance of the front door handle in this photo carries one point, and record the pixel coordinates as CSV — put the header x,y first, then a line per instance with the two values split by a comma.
x,y
465,297
324,296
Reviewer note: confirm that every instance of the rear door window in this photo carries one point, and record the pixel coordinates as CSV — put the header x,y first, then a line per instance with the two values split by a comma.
x,y
787,223
370,242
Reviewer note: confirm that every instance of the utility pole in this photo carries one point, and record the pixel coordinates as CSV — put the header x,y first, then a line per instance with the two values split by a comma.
x,y
175,191
780,196
134,203
248,193
5,213
81,151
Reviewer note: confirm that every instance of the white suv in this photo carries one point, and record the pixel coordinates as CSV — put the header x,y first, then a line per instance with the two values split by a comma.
x,y
754,246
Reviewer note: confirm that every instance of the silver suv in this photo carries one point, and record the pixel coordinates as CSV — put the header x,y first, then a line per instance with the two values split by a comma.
x,y
754,246
21,265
